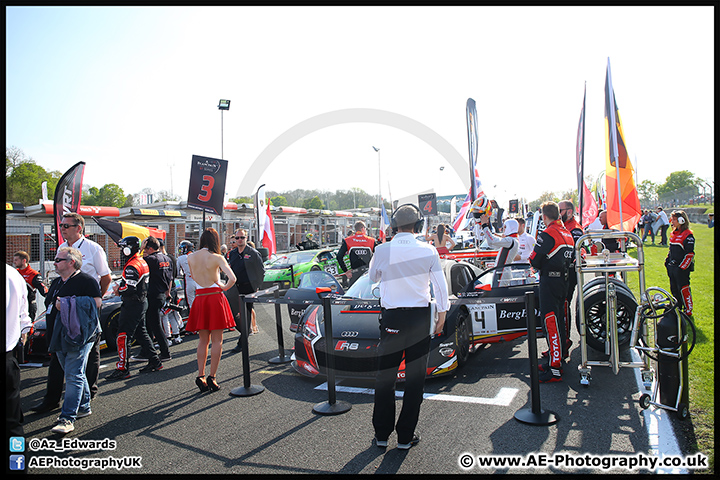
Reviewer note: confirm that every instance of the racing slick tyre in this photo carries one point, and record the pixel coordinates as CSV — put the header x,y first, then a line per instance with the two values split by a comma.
x,y
110,330
462,338
595,312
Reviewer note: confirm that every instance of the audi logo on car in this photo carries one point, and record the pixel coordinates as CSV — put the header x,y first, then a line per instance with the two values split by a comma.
x,y
348,333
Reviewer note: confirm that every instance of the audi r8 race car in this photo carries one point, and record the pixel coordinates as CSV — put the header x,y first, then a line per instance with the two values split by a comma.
x,y
356,332
286,269
37,342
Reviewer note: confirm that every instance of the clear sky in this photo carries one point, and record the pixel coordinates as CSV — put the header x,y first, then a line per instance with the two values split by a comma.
x,y
133,92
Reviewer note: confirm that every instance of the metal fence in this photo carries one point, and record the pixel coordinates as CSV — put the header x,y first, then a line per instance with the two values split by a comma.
x,y
37,236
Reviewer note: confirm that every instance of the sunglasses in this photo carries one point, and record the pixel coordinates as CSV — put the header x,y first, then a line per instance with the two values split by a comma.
x,y
68,225
58,260
239,238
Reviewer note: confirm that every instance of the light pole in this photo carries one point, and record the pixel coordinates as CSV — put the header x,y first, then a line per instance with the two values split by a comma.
x,y
222,106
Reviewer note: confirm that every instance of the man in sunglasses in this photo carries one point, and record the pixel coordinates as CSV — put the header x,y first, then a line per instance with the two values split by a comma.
x,y
95,264
247,265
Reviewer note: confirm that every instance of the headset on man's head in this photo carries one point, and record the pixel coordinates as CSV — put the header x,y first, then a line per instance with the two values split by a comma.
x,y
417,224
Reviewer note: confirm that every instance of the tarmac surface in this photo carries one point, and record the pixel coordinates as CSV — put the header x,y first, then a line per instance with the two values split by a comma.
x,y
161,424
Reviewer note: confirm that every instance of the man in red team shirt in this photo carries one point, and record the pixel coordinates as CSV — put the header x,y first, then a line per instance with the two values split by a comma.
x,y
359,248
33,279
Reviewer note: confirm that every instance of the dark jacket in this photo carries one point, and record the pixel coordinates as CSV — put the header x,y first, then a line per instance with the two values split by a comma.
x,y
248,267
76,325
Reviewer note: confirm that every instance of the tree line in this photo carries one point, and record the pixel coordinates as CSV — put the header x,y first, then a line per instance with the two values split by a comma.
x,y
24,179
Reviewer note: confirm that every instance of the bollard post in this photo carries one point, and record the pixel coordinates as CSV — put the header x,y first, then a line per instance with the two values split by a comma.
x,y
534,415
281,358
247,389
331,407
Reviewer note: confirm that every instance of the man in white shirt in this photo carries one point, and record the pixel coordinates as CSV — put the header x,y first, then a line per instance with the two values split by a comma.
x,y
95,264
526,241
16,320
405,269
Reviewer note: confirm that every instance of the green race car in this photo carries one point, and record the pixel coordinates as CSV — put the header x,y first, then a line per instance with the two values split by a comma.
x,y
285,269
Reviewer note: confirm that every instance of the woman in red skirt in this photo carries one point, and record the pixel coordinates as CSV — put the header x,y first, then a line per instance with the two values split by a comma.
x,y
210,313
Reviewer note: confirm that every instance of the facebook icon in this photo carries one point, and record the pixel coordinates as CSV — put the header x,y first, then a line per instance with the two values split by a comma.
x,y
17,462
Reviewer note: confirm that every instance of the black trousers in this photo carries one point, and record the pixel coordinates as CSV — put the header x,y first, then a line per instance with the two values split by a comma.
x,y
153,324
553,292
56,375
404,333
132,314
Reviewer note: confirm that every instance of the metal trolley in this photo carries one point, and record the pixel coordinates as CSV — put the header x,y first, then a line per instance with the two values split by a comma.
x,y
606,263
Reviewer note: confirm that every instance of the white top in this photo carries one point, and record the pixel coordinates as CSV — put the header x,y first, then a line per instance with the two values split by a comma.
x,y
94,259
16,307
527,244
405,269
511,243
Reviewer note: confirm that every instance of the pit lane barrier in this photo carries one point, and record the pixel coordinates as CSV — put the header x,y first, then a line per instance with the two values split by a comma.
x,y
534,416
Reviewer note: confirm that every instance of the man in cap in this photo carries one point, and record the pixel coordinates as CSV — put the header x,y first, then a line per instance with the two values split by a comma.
x,y
405,269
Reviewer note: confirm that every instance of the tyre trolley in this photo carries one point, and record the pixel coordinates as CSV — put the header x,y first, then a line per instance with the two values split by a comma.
x,y
605,264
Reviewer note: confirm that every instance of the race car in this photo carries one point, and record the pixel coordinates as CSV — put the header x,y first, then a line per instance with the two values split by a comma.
x,y
483,256
356,332
285,271
37,342
305,293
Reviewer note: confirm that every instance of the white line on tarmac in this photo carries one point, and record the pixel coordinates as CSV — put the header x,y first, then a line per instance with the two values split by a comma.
x,y
503,398
661,436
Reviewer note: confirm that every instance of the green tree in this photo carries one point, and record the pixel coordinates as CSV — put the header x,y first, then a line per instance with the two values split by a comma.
x,y
647,191
278,201
24,178
313,202
110,195
677,180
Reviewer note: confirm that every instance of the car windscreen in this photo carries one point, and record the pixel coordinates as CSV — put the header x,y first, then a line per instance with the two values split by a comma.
x,y
293,259
362,288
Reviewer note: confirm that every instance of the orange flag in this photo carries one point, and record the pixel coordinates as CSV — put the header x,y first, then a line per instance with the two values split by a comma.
x,y
621,193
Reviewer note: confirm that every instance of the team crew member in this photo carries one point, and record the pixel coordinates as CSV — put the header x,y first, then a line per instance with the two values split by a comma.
x,y
567,215
405,269
552,256
32,278
161,278
508,244
526,241
359,247
133,291
247,265
95,264
185,248
680,260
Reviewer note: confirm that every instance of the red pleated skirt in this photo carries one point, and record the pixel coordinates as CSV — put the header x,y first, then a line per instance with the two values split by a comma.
x,y
210,311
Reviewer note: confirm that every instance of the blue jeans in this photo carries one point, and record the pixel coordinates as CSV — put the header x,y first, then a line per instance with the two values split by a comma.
x,y
77,389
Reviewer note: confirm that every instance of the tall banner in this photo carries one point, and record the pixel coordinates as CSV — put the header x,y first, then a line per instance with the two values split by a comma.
x,y
268,240
68,193
586,203
623,202
384,223
461,221
471,114
261,210
207,184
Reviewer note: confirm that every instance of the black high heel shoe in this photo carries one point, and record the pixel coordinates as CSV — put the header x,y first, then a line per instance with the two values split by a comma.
x,y
212,384
203,386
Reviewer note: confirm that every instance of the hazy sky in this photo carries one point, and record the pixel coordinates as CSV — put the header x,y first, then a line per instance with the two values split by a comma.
x,y
133,92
